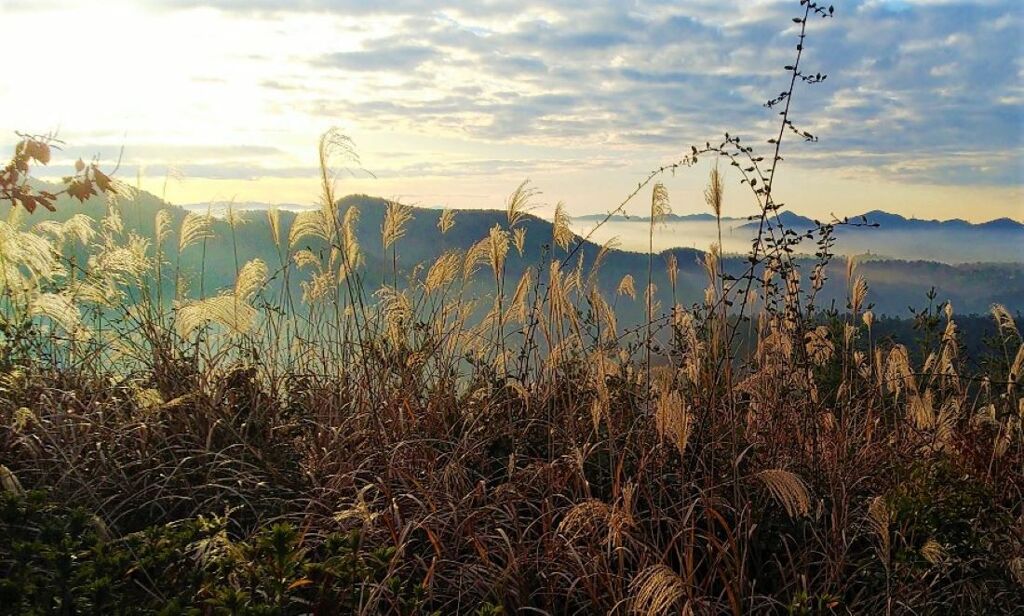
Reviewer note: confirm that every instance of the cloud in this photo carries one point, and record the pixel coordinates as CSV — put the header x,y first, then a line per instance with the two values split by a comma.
x,y
186,171
932,88
382,57
132,152
497,167
346,7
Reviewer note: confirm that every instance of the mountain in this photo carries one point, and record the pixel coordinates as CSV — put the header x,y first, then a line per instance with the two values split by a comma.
x,y
787,219
875,234
1003,224
703,217
879,219
894,284
872,234
886,220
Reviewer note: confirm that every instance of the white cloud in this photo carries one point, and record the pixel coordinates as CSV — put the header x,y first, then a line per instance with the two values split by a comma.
x,y
915,87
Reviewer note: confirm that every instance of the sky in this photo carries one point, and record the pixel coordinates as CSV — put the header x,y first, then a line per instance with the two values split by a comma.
x,y
455,103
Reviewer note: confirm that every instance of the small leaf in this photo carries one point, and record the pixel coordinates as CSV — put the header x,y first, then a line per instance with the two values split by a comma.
x,y
29,203
80,190
102,180
38,151
299,583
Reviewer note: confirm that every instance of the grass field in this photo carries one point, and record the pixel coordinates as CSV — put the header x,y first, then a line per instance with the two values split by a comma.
x,y
459,440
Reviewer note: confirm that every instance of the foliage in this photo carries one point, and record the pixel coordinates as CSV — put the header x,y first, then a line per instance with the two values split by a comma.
x,y
38,149
63,560
464,436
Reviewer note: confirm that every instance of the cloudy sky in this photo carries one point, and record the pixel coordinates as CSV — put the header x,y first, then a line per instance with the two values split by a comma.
x,y
455,103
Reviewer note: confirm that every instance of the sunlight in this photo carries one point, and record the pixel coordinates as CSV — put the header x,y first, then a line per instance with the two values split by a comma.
x,y
647,308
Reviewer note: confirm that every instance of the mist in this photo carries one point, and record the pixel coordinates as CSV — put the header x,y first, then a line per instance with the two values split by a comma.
x,y
969,245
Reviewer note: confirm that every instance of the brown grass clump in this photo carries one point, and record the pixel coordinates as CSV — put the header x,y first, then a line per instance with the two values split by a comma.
x,y
657,590
472,435
789,490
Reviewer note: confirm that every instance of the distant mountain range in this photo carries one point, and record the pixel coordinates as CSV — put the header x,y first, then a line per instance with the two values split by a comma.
x,y
892,222
789,219
877,234
894,284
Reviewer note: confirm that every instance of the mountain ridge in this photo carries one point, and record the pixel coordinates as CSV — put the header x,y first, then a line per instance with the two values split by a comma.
x,y
895,284
788,217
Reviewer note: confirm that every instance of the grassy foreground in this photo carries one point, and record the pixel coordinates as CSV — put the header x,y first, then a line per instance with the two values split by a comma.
x,y
459,440
429,448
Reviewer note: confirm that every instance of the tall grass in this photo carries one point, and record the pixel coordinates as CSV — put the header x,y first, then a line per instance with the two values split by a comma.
x,y
426,445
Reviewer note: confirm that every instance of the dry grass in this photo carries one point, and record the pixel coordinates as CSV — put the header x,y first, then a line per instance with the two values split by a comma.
x,y
510,457
505,442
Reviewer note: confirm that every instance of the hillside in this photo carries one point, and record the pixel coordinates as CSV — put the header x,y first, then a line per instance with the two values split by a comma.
x,y
895,284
